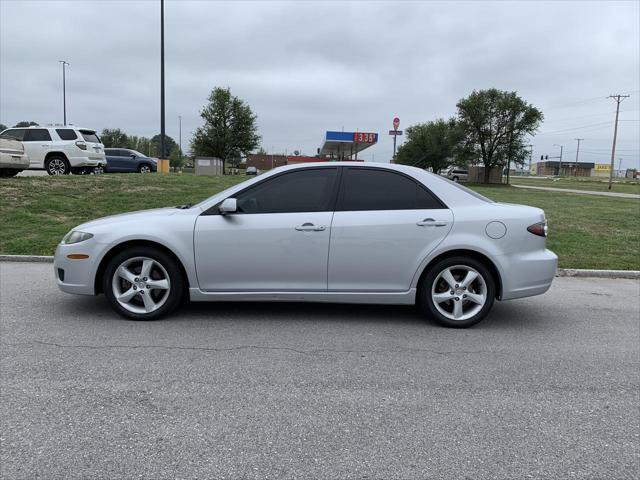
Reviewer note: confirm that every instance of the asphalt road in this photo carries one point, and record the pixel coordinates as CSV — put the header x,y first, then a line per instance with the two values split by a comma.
x,y
547,387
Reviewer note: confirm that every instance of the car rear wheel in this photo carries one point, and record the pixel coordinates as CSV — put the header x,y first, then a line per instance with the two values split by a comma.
x,y
9,172
58,166
144,168
455,179
457,292
143,283
99,170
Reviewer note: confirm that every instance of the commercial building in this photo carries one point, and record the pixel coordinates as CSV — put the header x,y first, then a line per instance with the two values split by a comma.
x,y
572,169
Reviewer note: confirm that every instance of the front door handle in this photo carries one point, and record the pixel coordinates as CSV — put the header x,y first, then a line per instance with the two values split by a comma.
x,y
310,227
430,222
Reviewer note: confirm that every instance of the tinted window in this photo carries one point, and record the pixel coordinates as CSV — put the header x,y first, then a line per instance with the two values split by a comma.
x,y
66,134
90,136
110,151
37,135
15,134
301,191
369,189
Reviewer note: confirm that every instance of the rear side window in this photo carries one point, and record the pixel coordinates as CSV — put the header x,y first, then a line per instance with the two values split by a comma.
x,y
36,135
371,189
15,134
66,134
309,190
90,136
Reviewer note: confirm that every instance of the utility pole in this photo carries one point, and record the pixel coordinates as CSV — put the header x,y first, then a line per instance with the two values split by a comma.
x,y
163,162
618,98
180,134
560,164
577,152
64,90
530,155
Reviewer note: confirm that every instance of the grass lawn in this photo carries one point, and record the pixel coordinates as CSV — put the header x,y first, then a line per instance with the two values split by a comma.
x,y
35,212
581,183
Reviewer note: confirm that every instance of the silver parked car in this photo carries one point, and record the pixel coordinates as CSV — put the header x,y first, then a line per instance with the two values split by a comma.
x,y
12,157
327,232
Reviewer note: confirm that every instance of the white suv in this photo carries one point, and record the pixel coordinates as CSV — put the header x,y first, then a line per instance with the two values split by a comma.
x,y
60,150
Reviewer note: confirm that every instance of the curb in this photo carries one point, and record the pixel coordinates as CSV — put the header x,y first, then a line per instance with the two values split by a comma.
x,y
575,272
562,272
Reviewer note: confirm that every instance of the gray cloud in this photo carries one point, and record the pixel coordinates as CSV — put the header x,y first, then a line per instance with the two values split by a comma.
x,y
306,67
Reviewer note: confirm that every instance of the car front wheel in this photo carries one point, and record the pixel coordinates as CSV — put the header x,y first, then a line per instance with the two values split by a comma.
x,y
457,292
144,168
143,283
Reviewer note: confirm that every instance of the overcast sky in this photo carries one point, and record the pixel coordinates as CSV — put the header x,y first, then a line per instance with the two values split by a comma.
x,y
306,67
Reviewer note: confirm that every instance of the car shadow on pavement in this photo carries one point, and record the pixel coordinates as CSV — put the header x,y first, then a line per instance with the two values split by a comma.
x,y
513,315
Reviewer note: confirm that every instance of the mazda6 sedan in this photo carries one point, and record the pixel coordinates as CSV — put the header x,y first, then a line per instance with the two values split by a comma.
x,y
341,232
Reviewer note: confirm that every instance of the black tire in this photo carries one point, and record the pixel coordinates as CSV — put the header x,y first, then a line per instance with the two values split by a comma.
x,y
57,165
144,168
176,282
9,172
99,170
426,302
455,179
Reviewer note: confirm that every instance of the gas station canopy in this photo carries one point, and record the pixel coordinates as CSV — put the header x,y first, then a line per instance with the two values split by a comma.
x,y
344,145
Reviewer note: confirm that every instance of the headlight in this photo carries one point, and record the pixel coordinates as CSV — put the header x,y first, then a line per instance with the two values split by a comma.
x,y
75,236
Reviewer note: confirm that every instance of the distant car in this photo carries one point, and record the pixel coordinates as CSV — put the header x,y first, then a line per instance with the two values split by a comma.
x,y
457,174
12,157
251,171
60,150
125,160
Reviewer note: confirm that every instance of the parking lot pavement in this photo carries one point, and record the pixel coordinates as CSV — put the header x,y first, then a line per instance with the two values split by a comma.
x,y
546,387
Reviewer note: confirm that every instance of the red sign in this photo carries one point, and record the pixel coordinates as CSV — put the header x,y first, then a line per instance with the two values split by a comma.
x,y
362,137
396,123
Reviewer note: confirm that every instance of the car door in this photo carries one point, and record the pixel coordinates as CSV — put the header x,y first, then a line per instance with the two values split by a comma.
x,y
37,142
385,224
277,241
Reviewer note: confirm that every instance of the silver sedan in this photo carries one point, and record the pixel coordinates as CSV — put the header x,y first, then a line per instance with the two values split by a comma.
x,y
324,232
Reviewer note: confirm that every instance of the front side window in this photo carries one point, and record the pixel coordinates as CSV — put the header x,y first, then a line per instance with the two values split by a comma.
x,y
66,134
309,190
374,189
14,134
37,135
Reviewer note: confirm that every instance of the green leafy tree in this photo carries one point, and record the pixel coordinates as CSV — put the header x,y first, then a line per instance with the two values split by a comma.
x,y
495,124
114,138
25,123
229,129
169,145
430,145
2,127
176,160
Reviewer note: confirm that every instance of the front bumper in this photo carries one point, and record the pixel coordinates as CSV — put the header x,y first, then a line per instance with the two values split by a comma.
x,y
527,274
77,276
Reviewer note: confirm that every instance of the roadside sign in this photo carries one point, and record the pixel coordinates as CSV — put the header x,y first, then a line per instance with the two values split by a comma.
x,y
395,132
363,137
396,123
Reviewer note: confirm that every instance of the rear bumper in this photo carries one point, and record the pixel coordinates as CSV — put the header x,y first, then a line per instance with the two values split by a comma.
x,y
15,164
88,161
527,274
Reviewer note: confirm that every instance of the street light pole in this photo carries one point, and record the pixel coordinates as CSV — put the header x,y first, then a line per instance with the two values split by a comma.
x,y
577,153
180,134
560,164
64,91
163,167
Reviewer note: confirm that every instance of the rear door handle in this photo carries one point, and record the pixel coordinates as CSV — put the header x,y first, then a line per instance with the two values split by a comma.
x,y
430,222
310,227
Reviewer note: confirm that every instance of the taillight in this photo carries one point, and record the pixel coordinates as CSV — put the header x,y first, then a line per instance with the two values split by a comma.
x,y
81,145
539,229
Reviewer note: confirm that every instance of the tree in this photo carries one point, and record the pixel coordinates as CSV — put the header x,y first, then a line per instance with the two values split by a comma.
x,y
494,123
169,145
430,145
25,123
176,159
3,127
229,129
114,138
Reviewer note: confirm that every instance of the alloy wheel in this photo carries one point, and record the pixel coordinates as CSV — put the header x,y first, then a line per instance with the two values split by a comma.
x,y
141,285
145,169
98,170
459,292
57,166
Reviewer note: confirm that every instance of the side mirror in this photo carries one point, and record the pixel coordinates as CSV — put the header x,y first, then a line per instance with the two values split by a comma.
x,y
230,205
133,155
